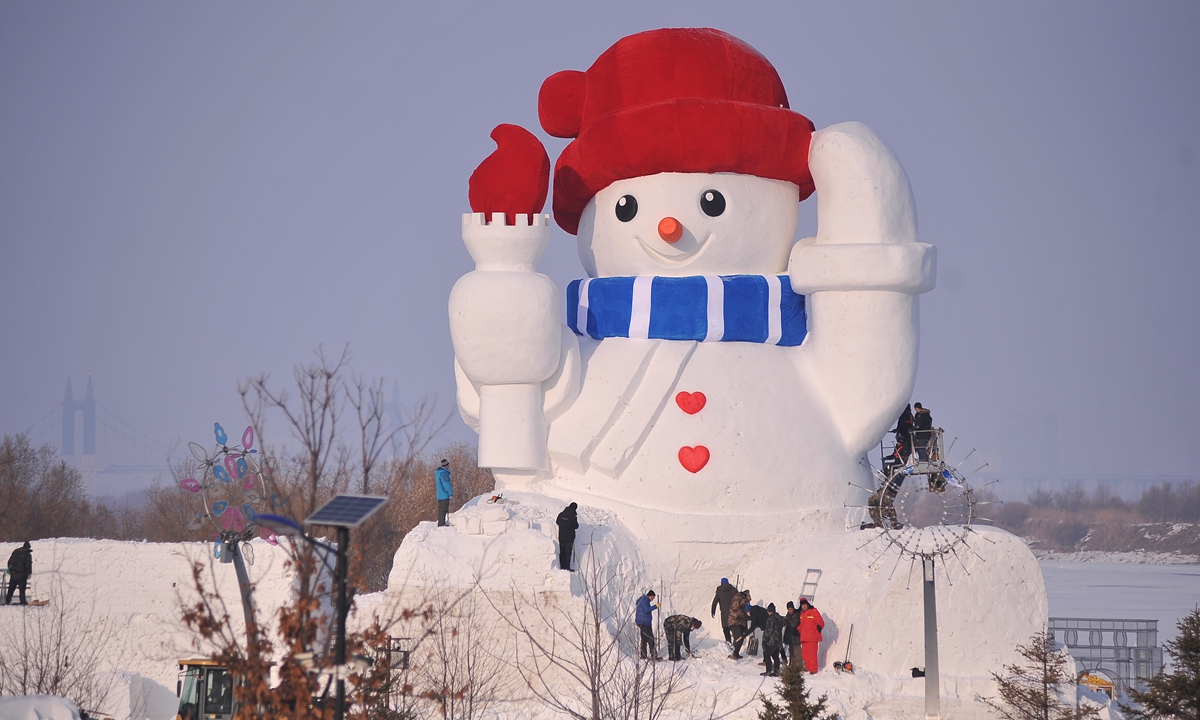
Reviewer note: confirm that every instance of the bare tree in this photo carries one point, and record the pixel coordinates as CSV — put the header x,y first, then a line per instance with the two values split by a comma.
x,y
579,659
59,650
460,668
295,645
312,419
40,494
314,415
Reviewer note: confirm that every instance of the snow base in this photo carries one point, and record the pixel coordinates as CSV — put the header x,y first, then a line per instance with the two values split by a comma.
x,y
38,707
990,596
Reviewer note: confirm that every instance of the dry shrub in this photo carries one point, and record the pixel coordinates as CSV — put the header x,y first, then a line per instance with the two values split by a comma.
x,y
1012,516
1164,520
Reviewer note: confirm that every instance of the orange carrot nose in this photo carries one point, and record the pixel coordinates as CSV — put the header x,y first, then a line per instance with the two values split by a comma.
x,y
670,229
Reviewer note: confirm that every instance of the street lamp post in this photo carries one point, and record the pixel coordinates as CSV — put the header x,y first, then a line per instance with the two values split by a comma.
x,y
343,609
343,512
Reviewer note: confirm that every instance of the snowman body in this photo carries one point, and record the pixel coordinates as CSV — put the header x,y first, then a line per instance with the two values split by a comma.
x,y
759,446
664,429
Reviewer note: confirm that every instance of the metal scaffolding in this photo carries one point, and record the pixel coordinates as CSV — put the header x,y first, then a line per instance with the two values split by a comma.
x,y
1125,651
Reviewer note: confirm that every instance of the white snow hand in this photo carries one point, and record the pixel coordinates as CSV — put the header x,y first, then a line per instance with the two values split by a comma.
x,y
504,322
861,275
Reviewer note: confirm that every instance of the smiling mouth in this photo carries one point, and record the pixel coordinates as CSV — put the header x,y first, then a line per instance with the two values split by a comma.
x,y
673,253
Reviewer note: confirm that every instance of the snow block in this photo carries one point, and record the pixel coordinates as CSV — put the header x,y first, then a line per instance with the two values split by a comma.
x,y
494,527
494,512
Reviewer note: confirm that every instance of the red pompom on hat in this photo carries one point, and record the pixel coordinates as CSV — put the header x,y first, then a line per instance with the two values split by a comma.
x,y
689,100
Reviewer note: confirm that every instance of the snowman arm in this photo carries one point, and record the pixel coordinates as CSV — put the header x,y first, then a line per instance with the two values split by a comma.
x,y
560,389
861,275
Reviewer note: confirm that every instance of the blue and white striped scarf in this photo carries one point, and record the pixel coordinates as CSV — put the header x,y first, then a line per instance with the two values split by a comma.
x,y
705,308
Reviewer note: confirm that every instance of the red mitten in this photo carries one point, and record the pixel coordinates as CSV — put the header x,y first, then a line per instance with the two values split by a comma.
x,y
513,179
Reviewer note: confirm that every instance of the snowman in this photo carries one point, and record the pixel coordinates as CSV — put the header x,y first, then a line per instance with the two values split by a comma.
x,y
707,366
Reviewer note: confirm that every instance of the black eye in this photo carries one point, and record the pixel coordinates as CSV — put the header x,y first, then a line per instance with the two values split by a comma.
x,y
627,208
712,203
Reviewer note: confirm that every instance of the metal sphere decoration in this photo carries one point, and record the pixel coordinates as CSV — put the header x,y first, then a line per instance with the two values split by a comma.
x,y
933,512
924,506
229,483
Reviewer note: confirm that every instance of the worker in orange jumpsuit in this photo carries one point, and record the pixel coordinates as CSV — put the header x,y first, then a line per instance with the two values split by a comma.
x,y
811,625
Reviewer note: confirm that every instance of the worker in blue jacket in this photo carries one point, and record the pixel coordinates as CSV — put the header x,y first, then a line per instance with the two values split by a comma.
x,y
444,492
644,619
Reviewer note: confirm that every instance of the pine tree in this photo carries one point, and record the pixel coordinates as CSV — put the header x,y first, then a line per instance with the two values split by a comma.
x,y
1175,695
1031,691
794,693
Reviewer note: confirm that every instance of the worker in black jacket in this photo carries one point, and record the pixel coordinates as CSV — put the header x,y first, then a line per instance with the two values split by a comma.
x,y
568,523
724,598
758,621
20,567
922,431
791,634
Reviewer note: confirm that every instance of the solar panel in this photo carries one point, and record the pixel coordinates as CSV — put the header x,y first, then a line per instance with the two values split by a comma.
x,y
347,511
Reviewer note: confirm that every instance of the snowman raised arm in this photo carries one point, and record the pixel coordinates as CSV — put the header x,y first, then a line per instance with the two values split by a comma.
x,y
707,362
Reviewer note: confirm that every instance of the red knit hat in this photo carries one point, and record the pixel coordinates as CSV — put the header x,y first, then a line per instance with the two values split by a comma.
x,y
672,100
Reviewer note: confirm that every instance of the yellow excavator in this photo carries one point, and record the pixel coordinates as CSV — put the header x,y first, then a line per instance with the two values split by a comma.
x,y
206,691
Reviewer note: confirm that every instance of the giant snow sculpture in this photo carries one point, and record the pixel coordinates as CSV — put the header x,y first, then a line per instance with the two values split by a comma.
x,y
707,390
707,364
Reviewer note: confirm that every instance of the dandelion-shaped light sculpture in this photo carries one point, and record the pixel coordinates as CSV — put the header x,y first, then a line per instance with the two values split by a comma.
x,y
229,484
923,510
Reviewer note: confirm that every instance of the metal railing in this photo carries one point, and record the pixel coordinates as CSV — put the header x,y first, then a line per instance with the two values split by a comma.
x,y
1126,651
926,449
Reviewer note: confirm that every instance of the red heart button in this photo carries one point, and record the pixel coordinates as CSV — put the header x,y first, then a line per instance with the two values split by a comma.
x,y
693,458
691,403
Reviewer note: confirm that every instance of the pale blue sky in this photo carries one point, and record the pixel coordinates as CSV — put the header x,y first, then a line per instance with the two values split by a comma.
x,y
193,193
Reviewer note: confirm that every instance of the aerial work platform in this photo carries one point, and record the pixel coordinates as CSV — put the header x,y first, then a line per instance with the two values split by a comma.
x,y
926,459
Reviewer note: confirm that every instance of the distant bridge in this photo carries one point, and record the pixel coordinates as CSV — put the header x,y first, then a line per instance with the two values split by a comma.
x,y
111,446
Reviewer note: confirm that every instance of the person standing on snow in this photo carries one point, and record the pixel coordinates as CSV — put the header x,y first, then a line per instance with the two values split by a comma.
x,y
739,620
444,491
791,634
811,625
644,620
724,599
772,640
568,523
679,628
758,621
20,567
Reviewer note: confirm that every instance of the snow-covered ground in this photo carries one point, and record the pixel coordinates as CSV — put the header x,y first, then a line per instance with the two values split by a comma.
x,y
127,598
137,588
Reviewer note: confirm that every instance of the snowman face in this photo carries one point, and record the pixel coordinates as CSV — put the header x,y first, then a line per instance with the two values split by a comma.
x,y
689,224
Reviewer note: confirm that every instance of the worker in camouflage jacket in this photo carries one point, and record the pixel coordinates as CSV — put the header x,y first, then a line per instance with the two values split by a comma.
x,y
679,629
739,621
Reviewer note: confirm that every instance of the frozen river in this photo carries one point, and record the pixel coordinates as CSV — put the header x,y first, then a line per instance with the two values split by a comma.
x,y
1126,591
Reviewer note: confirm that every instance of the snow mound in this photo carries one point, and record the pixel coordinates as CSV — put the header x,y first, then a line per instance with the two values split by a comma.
x,y
129,597
990,594
38,707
